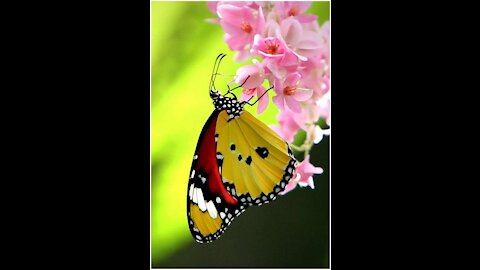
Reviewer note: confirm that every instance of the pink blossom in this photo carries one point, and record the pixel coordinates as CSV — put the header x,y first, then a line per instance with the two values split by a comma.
x,y
290,122
296,10
308,116
304,175
314,76
270,47
256,73
302,42
247,94
288,127
289,92
240,24
274,50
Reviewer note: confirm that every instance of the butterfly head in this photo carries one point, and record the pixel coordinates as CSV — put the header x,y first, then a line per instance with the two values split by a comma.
x,y
230,104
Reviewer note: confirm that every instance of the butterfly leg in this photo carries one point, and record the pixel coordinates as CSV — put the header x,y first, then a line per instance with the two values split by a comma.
x,y
247,102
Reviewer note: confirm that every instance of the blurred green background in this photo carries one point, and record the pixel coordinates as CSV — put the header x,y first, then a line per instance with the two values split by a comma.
x,y
290,232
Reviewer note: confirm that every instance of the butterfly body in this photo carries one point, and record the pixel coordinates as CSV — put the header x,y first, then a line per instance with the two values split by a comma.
x,y
238,162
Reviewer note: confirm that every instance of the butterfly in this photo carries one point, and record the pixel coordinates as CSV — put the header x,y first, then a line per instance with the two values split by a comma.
x,y
238,162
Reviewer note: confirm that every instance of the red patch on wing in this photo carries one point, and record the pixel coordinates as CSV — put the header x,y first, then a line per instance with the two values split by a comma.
x,y
207,161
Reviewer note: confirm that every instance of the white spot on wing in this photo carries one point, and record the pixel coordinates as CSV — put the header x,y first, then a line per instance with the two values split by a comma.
x,y
218,200
190,193
193,174
222,215
194,197
212,210
201,200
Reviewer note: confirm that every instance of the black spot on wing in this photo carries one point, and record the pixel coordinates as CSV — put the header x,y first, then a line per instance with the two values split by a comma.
x,y
232,147
239,157
248,160
262,152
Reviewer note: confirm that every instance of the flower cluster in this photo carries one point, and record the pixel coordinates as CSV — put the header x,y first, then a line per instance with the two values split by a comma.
x,y
295,59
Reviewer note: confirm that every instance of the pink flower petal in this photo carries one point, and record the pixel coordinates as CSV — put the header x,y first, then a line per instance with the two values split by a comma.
x,y
291,31
231,29
293,104
249,76
230,14
306,18
289,59
278,87
307,182
310,41
260,25
245,97
302,94
289,187
263,101
302,5
292,79
278,100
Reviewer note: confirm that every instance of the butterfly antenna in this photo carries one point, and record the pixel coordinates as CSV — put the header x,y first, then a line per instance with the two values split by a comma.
x,y
215,70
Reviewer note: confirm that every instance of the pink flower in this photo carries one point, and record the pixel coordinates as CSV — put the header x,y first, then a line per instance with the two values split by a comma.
x,y
272,48
288,127
256,73
308,116
240,24
289,92
314,77
302,42
259,90
304,177
296,10
269,47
